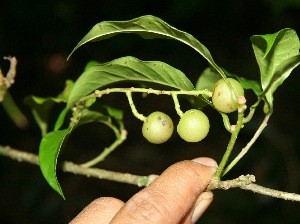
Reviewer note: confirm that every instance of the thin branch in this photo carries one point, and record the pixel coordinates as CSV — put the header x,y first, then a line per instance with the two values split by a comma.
x,y
6,99
108,175
247,183
71,167
243,182
11,74
9,79
234,134
177,104
13,111
101,157
248,146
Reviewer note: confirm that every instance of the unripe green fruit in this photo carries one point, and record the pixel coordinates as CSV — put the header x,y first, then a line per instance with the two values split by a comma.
x,y
193,126
157,128
222,98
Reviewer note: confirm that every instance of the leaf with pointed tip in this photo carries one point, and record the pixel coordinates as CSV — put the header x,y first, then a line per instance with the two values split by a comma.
x,y
276,55
148,27
128,69
52,142
281,73
48,153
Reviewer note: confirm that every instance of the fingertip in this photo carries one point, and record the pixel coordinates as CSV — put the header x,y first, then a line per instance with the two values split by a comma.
x,y
206,161
203,202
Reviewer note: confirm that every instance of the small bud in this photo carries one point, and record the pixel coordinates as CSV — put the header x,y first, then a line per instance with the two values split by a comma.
x,y
241,100
124,133
232,128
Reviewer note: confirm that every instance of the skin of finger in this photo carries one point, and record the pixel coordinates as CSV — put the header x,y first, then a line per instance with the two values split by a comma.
x,y
100,211
202,203
169,198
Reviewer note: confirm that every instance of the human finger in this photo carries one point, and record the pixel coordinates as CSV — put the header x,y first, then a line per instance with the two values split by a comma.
x,y
171,196
99,211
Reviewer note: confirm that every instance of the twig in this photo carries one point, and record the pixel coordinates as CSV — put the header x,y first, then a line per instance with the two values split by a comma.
x,y
11,74
243,182
71,167
248,146
247,183
6,99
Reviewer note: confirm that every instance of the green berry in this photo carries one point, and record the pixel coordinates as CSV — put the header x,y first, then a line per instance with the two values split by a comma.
x,y
157,128
222,98
193,126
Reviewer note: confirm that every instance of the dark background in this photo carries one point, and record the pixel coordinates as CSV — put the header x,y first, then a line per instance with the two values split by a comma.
x,y
42,33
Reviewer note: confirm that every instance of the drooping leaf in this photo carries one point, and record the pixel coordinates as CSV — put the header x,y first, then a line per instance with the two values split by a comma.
x,y
128,69
276,55
52,142
41,107
273,49
281,73
48,153
148,27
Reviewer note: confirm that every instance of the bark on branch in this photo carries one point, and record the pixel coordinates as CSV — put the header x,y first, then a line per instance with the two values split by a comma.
x,y
245,182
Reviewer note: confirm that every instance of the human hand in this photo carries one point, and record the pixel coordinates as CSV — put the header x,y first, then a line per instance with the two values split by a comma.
x,y
177,196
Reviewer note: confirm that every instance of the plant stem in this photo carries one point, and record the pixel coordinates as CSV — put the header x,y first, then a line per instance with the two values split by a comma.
x,y
249,145
246,182
243,182
177,105
107,151
231,144
70,167
13,111
133,108
226,122
100,93
250,115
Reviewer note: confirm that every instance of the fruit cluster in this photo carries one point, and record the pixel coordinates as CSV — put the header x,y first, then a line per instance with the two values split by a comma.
x,y
194,124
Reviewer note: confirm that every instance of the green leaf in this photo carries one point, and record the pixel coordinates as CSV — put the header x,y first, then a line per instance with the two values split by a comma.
x,y
91,64
246,83
41,107
277,55
148,27
93,116
115,113
52,142
64,95
207,79
61,118
48,153
128,69
281,73
273,49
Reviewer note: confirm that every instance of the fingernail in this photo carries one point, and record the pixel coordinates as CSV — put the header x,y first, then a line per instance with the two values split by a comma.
x,y
206,161
202,204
